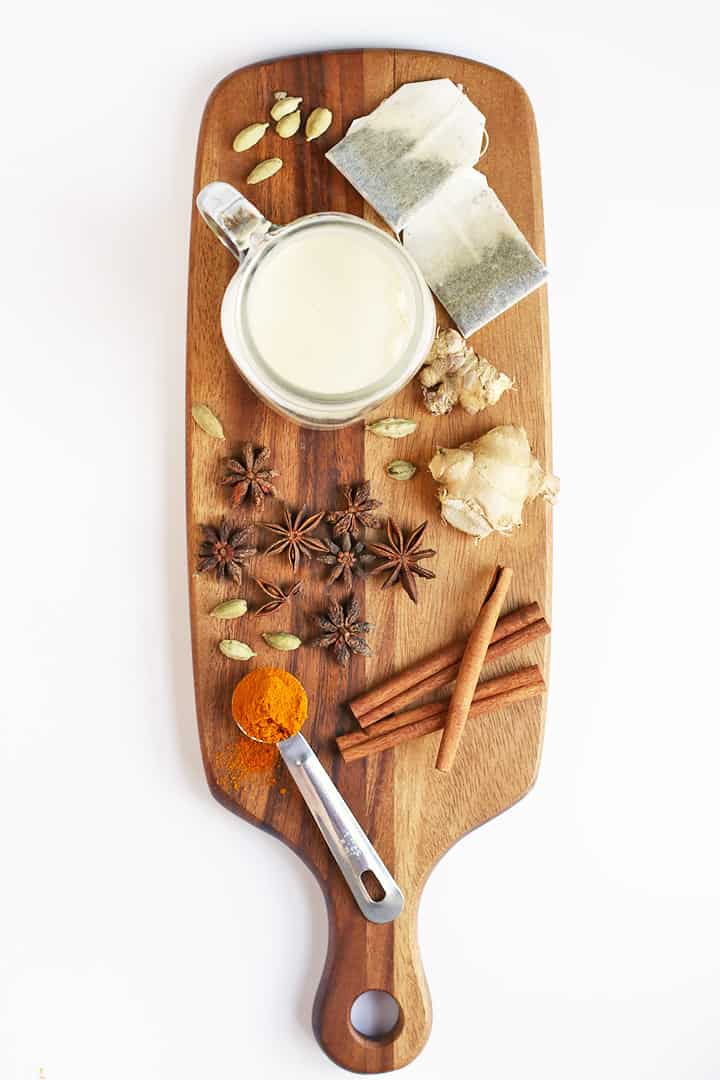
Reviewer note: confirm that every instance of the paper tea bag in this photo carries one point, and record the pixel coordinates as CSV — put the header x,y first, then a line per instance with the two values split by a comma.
x,y
400,155
471,252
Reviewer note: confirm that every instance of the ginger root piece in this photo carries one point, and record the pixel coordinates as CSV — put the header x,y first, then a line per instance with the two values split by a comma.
x,y
486,483
455,373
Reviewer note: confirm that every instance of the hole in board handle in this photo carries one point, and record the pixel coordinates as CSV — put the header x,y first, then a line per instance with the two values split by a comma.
x,y
372,886
375,1015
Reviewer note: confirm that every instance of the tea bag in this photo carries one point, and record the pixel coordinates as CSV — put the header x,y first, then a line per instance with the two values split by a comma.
x,y
412,159
400,155
471,252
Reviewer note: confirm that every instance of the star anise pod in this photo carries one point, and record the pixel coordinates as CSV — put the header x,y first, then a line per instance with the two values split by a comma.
x,y
295,537
343,631
250,473
400,557
346,558
358,511
224,550
277,595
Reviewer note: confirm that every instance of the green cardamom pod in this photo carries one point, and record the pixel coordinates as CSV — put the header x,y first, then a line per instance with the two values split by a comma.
x,y
317,123
284,106
249,135
235,650
207,420
264,170
401,470
230,609
288,125
282,640
393,427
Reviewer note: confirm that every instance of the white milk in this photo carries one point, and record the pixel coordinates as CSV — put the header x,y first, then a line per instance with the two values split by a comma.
x,y
332,309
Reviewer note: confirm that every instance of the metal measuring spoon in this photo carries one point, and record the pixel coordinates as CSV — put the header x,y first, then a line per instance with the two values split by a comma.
x,y
349,846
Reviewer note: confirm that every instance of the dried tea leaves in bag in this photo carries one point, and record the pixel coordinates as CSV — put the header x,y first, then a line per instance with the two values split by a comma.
x,y
400,155
471,252
412,159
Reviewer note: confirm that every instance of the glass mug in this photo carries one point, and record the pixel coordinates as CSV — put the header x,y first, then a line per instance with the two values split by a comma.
x,y
248,315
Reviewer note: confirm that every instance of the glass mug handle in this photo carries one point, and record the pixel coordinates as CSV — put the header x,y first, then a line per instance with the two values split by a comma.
x,y
231,217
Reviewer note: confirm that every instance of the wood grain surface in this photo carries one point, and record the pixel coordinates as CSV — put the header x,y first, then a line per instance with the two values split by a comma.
x,y
412,812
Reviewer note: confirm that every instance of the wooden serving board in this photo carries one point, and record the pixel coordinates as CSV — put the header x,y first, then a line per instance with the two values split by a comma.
x,y
412,813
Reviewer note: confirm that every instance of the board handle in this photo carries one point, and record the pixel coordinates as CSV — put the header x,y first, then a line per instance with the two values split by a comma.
x,y
366,956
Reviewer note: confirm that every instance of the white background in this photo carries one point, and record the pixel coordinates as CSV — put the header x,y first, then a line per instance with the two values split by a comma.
x,y
146,932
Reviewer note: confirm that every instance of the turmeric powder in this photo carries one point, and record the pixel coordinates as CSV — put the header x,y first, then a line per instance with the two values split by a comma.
x,y
270,705
243,759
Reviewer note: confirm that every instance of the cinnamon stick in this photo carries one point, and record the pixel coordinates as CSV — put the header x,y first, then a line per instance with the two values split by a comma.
x,y
505,645
470,668
527,676
374,745
419,679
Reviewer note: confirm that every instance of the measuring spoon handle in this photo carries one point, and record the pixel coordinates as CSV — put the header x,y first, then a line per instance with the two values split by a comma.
x,y
349,846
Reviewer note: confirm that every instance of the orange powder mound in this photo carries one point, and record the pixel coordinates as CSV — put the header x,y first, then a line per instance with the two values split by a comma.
x,y
269,704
